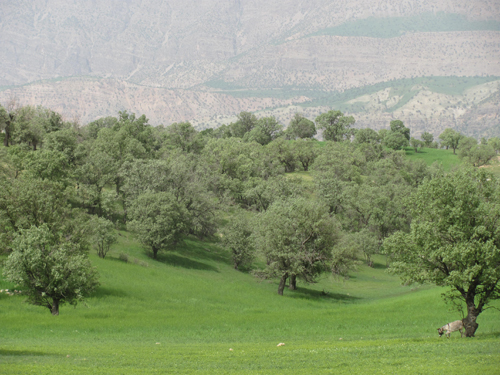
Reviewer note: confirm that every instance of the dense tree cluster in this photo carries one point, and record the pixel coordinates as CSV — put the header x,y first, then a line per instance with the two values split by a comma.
x,y
64,188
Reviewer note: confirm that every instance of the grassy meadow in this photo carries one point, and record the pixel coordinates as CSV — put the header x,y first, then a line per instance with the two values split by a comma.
x,y
191,312
430,155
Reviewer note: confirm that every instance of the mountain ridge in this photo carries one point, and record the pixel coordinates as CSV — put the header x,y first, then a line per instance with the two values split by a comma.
x,y
142,48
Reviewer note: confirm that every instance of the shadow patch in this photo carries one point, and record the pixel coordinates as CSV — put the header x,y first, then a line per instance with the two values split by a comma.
x,y
180,261
318,294
9,352
105,292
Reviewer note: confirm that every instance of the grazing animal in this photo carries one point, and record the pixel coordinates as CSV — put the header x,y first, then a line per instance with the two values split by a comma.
x,y
457,325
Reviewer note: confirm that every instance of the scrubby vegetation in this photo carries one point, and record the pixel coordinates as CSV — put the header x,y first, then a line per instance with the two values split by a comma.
x,y
195,232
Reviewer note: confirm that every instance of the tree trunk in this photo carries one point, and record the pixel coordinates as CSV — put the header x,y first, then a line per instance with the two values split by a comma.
x,y
155,251
293,283
6,140
282,284
470,324
55,307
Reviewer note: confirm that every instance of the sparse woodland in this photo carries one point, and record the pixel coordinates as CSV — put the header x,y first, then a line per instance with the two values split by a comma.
x,y
285,205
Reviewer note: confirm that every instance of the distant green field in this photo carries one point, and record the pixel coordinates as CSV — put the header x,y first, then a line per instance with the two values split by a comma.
x,y
392,27
338,100
400,87
184,313
430,155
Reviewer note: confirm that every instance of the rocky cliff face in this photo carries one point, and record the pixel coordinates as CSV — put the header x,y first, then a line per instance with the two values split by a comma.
x,y
162,57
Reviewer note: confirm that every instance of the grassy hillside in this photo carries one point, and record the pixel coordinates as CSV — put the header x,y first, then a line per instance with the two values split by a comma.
x,y
393,27
406,89
183,314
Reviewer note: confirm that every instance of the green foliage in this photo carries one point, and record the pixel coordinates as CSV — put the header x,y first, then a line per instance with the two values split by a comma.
x,y
305,151
27,202
5,125
265,130
450,139
260,193
65,141
336,127
368,243
282,151
53,271
246,122
395,141
300,127
397,126
495,144
343,159
475,154
158,220
427,138
345,256
91,130
183,136
416,144
189,181
102,235
454,239
236,237
30,125
296,236
48,165
366,136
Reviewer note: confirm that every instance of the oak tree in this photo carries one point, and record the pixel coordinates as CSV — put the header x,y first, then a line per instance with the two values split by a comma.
x,y
454,240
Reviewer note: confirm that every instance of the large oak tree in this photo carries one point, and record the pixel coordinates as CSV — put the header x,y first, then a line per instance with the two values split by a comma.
x,y
454,240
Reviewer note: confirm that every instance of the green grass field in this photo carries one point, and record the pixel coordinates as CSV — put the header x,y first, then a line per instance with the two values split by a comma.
x,y
430,155
185,312
191,312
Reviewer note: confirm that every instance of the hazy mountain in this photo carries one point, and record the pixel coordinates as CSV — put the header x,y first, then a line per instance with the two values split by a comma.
x,y
204,61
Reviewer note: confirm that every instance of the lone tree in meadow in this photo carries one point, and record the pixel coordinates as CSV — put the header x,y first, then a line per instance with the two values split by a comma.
x,y
454,240
427,138
52,269
450,139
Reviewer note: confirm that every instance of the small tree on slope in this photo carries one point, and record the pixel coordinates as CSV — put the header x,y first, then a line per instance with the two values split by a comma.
x,y
454,240
54,271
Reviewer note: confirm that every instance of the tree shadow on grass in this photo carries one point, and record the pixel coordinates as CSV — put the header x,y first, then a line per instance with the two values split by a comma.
x,y
8,352
379,266
204,251
105,292
489,335
318,294
181,261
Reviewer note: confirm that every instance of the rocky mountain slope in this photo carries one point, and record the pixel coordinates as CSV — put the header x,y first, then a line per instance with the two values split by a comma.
x,y
191,60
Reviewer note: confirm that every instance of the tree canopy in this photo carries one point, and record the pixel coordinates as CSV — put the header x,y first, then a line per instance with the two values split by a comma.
x,y
53,270
454,239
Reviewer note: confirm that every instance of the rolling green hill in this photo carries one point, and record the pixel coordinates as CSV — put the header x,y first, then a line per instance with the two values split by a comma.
x,y
190,312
